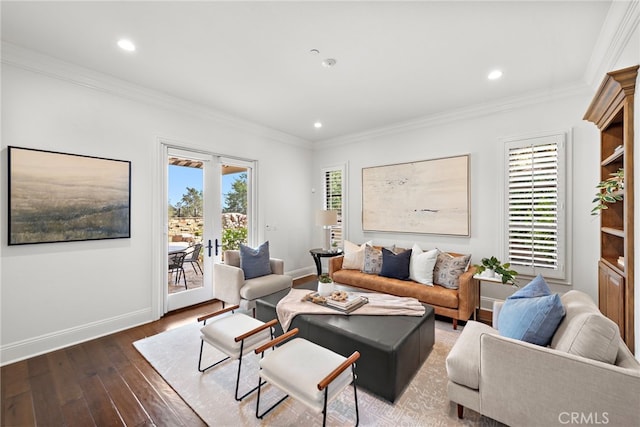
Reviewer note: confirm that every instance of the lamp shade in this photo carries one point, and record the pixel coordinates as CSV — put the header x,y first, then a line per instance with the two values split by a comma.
x,y
325,218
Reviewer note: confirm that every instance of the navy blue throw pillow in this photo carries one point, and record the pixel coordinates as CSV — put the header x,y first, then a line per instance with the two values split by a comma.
x,y
395,266
255,262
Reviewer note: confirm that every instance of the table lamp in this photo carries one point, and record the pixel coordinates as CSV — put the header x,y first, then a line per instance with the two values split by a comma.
x,y
327,218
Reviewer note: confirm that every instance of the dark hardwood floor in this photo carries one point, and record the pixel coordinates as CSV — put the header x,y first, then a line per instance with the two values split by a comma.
x,y
103,382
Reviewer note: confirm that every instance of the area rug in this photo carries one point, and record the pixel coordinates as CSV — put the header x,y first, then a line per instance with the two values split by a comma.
x,y
174,354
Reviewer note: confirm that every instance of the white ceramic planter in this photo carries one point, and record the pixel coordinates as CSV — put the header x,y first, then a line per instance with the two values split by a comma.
x,y
325,289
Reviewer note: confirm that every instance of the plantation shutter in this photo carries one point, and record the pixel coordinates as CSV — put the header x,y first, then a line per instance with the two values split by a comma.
x,y
333,179
535,206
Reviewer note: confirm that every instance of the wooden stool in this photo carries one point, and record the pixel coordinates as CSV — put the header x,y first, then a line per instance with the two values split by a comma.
x,y
306,371
235,336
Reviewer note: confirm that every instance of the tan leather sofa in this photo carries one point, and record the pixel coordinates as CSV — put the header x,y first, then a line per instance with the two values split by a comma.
x,y
586,375
458,304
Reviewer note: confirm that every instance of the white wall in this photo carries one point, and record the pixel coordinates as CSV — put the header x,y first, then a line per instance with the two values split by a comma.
x,y
480,137
56,294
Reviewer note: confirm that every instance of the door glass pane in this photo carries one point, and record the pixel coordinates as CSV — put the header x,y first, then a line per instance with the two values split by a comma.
x,y
234,206
185,222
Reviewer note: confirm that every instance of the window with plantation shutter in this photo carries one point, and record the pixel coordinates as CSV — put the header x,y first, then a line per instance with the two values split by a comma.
x,y
535,205
333,181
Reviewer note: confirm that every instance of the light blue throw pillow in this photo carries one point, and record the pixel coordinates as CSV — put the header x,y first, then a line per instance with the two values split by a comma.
x,y
532,314
255,262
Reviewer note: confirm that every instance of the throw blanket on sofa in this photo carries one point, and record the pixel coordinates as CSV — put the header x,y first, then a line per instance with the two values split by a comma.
x,y
379,304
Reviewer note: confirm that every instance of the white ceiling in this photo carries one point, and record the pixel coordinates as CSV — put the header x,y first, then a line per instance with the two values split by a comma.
x,y
396,61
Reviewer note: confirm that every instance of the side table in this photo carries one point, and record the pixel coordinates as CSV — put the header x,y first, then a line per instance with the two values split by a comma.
x,y
318,253
481,279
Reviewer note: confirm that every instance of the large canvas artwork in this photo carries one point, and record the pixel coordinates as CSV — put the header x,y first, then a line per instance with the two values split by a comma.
x,y
429,196
57,197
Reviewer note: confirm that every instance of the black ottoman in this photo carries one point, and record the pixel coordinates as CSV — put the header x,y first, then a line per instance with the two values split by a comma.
x,y
392,348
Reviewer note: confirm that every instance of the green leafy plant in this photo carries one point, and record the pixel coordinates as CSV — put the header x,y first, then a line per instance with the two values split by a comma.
x,y
504,270
232,237
325,278
609,191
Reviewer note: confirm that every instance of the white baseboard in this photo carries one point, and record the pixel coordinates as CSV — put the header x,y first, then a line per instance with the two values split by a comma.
x,y
20,350
301,272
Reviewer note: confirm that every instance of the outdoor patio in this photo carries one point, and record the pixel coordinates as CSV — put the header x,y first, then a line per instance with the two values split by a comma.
x,y
193,280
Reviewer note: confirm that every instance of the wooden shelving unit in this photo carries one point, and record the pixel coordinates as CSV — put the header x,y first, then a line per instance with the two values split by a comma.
x,y
612,111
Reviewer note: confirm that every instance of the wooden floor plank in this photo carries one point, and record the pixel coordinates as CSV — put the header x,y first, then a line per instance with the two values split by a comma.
x,y
158,410
99,402
15,379
45,402
61,371
17,410
77,413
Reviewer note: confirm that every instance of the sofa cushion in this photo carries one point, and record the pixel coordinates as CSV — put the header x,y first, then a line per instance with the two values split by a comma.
x,y
585,331
531,314
353,255
395,266
463,361
373,259
255,262
422,264
432,295
448,269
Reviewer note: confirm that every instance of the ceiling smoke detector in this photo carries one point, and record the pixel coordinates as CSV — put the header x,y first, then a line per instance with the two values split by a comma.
x,y
328,63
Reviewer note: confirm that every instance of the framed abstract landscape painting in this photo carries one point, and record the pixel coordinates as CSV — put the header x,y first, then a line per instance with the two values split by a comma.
x,y
58,197
428,196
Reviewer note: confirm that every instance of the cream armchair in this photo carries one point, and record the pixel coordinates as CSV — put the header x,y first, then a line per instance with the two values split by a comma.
x,y
568,382
230,286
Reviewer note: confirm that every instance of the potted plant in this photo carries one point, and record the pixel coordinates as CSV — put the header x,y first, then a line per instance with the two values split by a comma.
x,y
493,266
609,191
325,285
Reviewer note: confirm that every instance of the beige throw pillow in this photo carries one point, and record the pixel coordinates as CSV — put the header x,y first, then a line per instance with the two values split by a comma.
x,y
353,255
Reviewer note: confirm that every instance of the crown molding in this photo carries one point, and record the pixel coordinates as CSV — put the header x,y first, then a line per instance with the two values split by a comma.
x,y
619,26
466,113
32,61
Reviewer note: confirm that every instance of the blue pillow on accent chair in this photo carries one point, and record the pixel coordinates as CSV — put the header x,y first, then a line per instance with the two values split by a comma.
x,y
255,262
531,314
394,265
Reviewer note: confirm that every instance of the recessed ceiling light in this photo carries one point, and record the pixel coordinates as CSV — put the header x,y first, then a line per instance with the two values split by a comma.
x,y
494,75
317,125
314,52
127,45
329,62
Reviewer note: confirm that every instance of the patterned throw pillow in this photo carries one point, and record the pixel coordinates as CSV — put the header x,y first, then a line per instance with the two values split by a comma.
x,y
372,260
448,269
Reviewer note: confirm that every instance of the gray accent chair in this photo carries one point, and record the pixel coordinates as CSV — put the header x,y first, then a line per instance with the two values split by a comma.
x,y
587,373
230,286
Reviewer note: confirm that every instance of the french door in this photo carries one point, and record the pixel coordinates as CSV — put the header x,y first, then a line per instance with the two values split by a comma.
x,y
209,200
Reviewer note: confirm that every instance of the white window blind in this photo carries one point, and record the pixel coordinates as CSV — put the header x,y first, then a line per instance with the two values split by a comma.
x,y
333,198
535,205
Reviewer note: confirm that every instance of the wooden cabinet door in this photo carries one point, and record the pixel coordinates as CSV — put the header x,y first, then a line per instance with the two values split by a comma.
x,y
611,296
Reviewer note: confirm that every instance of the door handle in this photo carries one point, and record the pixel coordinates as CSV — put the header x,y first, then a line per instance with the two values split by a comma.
x,y
209,248
218,245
